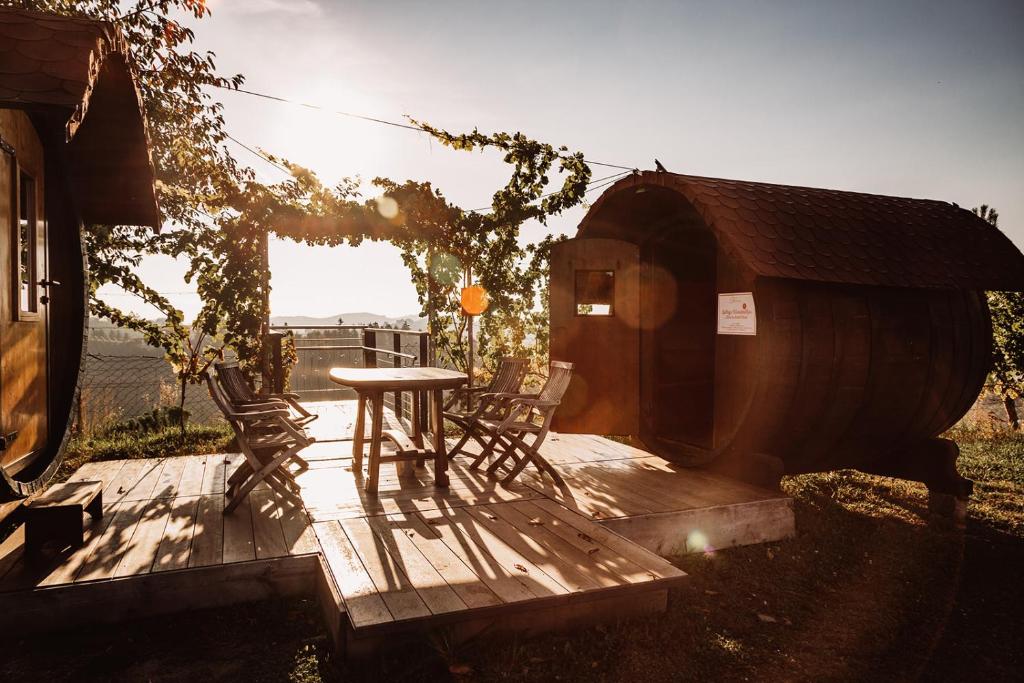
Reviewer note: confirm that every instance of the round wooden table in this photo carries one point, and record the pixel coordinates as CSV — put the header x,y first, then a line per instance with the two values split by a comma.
x,y
370,384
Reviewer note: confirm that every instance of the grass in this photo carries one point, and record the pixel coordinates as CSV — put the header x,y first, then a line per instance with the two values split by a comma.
x,y
167,440
872,587
118,442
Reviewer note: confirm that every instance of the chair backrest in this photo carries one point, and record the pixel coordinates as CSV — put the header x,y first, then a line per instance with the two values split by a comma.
x,y
234,383
559,377
509,377
222,403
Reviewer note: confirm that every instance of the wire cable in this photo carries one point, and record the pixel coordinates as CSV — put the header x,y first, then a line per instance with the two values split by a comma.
x,y
372,119
256,152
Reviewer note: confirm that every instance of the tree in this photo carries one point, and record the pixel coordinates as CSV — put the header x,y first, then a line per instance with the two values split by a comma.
x,y
446,242
1007,311
186,132
219,216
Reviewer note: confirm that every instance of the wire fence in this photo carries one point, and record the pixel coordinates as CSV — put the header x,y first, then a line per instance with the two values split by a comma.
x,y
118,388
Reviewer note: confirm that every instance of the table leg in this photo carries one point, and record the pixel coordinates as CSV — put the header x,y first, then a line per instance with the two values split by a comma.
x,y
357,434
376,428
417,428
440,447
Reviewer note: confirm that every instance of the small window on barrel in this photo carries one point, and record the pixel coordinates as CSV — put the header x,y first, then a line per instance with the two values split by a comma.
x,y
595,292
25,255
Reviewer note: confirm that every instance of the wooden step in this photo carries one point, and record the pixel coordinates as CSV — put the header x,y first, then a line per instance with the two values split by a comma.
x,y
56,515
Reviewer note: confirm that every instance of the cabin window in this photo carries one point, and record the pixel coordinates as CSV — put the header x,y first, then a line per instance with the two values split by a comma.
x,y
25,268
595,292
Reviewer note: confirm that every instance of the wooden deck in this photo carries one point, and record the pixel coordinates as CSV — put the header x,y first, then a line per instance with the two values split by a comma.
x,y
474,557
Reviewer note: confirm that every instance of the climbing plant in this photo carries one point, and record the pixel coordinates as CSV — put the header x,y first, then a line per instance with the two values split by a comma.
x,y
1007,311
218,216
186,133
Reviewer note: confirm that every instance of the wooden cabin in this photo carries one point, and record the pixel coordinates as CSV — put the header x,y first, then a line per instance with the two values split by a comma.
x,y
762,330
73,152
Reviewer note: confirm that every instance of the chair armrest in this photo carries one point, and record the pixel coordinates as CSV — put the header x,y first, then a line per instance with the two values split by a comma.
x,y
460,393
256,405
533,402
291,399
257,415
286,394
297,432
509,396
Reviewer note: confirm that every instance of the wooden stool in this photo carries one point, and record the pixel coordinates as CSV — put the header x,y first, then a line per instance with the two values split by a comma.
x,y
57,514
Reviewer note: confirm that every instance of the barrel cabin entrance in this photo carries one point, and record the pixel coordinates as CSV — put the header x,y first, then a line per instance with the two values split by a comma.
x,y
763,329
73,151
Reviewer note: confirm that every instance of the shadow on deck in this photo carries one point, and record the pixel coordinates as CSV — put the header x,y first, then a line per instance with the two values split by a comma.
x,y
471,558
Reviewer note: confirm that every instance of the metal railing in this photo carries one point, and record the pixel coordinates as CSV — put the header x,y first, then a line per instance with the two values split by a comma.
x,y
321,347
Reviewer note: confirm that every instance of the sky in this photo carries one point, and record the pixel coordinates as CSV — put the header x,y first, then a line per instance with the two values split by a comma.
x,y
909,98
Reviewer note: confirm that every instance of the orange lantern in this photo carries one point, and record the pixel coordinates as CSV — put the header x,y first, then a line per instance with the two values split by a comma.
x,y
474,300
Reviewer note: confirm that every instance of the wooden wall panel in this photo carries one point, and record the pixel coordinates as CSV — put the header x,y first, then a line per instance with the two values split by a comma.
x,y
603,397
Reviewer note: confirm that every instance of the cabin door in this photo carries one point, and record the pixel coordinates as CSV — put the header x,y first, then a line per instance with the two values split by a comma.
x,y
595,301
23,309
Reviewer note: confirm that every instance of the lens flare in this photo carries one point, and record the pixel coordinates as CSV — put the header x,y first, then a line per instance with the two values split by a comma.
x,y
697,541
387,207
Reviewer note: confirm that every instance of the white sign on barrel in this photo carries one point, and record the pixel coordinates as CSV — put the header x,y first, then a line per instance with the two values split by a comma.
x,y
736,314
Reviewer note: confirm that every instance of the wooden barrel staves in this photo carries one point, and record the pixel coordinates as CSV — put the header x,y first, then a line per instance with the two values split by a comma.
x,y
850,330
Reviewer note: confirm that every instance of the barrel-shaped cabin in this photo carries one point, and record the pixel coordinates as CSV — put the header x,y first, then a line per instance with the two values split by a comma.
x,y
73,152
763,330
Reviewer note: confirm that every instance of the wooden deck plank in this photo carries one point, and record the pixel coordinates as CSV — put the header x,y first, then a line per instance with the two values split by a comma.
x,y
208,535
122,484
660,491
603,449
471,589
150,475
497,574
170,477
658,566
596,494
363,604
415,556
191,482
559,451
591,561
385,571
112,544
609,560
214,474
238,535
105,471
487,554
140,554
559,568
299,536
431,586
12,552
268,536
176,545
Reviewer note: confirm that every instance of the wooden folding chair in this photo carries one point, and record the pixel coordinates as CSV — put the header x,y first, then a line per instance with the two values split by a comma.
x,y
269,425
268,440
460,409
240,393
524,414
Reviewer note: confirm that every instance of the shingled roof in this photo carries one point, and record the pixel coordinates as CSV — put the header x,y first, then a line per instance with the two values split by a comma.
x,y
78,71
807,233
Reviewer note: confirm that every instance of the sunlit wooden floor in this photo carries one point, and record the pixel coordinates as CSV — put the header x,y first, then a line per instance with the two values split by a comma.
x,y
168,514
413,556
